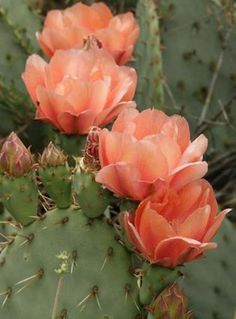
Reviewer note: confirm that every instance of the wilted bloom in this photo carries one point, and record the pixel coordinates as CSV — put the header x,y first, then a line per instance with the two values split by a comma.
x,y
15,158
173,227
52,156
172,303
66,29
91,152
144,150
79,88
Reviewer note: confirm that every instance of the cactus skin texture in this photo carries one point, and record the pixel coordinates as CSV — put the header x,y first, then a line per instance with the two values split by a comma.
x,y
154,279
198,38
20,196
98,275
210,283
92,198
148,60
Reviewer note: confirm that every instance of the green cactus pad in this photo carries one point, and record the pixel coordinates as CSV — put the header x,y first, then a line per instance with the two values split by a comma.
x,y
154,280
199,66
57,183
148,60
20,196
98,283
92,197
210,282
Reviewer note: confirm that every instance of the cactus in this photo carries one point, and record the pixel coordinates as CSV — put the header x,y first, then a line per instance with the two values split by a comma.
x,y
199,46
83,265
210,283
66,255
148,60
98,271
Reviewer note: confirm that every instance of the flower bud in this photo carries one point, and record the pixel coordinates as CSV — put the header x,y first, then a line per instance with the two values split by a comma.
x,y
15,158
171,304
52,156
91,153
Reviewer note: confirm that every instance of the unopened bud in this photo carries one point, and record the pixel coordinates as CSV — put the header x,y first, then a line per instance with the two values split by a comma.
x,y
15,158
52,156
91,153
171,304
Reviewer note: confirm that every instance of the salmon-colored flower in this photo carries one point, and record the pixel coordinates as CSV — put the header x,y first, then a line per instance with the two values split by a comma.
x,y
173,227
79,88
144,150
65,29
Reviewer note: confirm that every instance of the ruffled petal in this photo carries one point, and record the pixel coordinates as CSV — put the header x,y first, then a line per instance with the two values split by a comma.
x,y
187,173
34,75
124,180
173,251
195,150
195,225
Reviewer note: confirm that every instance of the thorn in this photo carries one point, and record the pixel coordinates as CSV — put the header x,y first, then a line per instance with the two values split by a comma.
x,y
29,280
74,260
7,293
4,236
98,302
83,301
129,293
95,294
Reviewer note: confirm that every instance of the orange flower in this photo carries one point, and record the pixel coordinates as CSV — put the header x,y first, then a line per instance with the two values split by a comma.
x,y
147,149
65,29
173,227
79,88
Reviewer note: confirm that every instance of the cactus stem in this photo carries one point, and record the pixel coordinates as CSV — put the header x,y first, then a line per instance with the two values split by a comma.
x,y
55,303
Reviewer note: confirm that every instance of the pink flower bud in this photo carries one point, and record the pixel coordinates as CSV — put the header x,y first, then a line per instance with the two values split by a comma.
x,y
171,304
52,156
15,158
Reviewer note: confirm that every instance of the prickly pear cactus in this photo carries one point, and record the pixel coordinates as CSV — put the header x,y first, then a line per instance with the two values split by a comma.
x,y
148,59
210,283
98,271
198,38
76,262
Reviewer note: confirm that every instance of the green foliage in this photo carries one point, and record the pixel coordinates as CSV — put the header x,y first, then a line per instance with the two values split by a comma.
x,y
210,282
148,60
96,284
199,39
